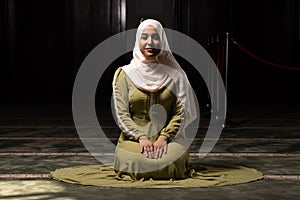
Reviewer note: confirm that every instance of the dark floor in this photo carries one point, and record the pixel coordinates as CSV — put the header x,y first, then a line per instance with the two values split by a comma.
x,y
264,137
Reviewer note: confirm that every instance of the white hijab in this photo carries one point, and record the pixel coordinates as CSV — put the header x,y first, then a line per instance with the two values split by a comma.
x,y
150,75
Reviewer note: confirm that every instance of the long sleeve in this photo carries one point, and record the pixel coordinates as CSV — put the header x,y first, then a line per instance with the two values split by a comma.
x,y
176,121
121,103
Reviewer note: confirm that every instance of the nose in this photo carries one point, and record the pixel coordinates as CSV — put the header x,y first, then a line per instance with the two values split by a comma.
x,y
150,40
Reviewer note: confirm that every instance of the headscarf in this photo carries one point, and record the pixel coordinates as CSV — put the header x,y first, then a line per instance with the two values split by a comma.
x,y
149,75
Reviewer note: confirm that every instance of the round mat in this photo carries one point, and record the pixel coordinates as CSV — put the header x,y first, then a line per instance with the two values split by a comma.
x,y
204,176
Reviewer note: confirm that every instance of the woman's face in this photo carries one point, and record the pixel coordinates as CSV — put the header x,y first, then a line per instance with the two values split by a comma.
x,y
150,42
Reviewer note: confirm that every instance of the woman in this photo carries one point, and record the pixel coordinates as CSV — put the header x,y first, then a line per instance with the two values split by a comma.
x,y
153,106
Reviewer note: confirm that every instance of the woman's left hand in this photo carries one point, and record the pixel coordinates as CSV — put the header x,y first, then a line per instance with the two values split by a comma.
x,y
160,146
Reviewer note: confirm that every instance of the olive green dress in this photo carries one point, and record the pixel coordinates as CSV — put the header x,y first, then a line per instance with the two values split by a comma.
x,y
150,114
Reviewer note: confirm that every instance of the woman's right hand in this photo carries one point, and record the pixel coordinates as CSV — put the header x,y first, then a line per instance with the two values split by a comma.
x,y
146,147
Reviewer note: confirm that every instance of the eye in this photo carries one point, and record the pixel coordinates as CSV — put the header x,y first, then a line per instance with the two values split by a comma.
x,y
155,37
144,36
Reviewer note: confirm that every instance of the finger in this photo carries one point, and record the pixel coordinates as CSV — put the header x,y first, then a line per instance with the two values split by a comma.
x,y
166,149
146,151
141,149
157,152
151,151
161,152
151,148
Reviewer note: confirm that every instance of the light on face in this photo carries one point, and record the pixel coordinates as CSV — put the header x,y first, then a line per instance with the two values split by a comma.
x,y
150,42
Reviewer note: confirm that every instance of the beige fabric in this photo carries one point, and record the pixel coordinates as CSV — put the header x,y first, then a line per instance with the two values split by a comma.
x,y
174,164
203,176
133,108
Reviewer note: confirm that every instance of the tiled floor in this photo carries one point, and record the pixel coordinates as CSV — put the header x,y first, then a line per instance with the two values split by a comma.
x,y
37,139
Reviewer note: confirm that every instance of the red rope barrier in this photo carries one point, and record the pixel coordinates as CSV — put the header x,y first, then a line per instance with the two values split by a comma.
x,y
263,60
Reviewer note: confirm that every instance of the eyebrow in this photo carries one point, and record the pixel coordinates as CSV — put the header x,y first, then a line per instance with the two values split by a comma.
x,y
151,34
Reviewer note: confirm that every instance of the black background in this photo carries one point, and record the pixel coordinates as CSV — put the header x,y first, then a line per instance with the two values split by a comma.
x,y
43,43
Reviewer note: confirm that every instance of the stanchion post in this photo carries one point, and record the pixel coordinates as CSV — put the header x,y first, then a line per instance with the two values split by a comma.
x,y
228,122
226,60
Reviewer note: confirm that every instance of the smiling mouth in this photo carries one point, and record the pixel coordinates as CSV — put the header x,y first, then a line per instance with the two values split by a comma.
x,y
150,49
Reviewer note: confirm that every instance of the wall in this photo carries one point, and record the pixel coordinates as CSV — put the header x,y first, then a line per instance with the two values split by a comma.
x,y
44,43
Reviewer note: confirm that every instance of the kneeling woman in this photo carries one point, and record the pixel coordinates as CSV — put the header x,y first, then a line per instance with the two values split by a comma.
x,y
153,104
